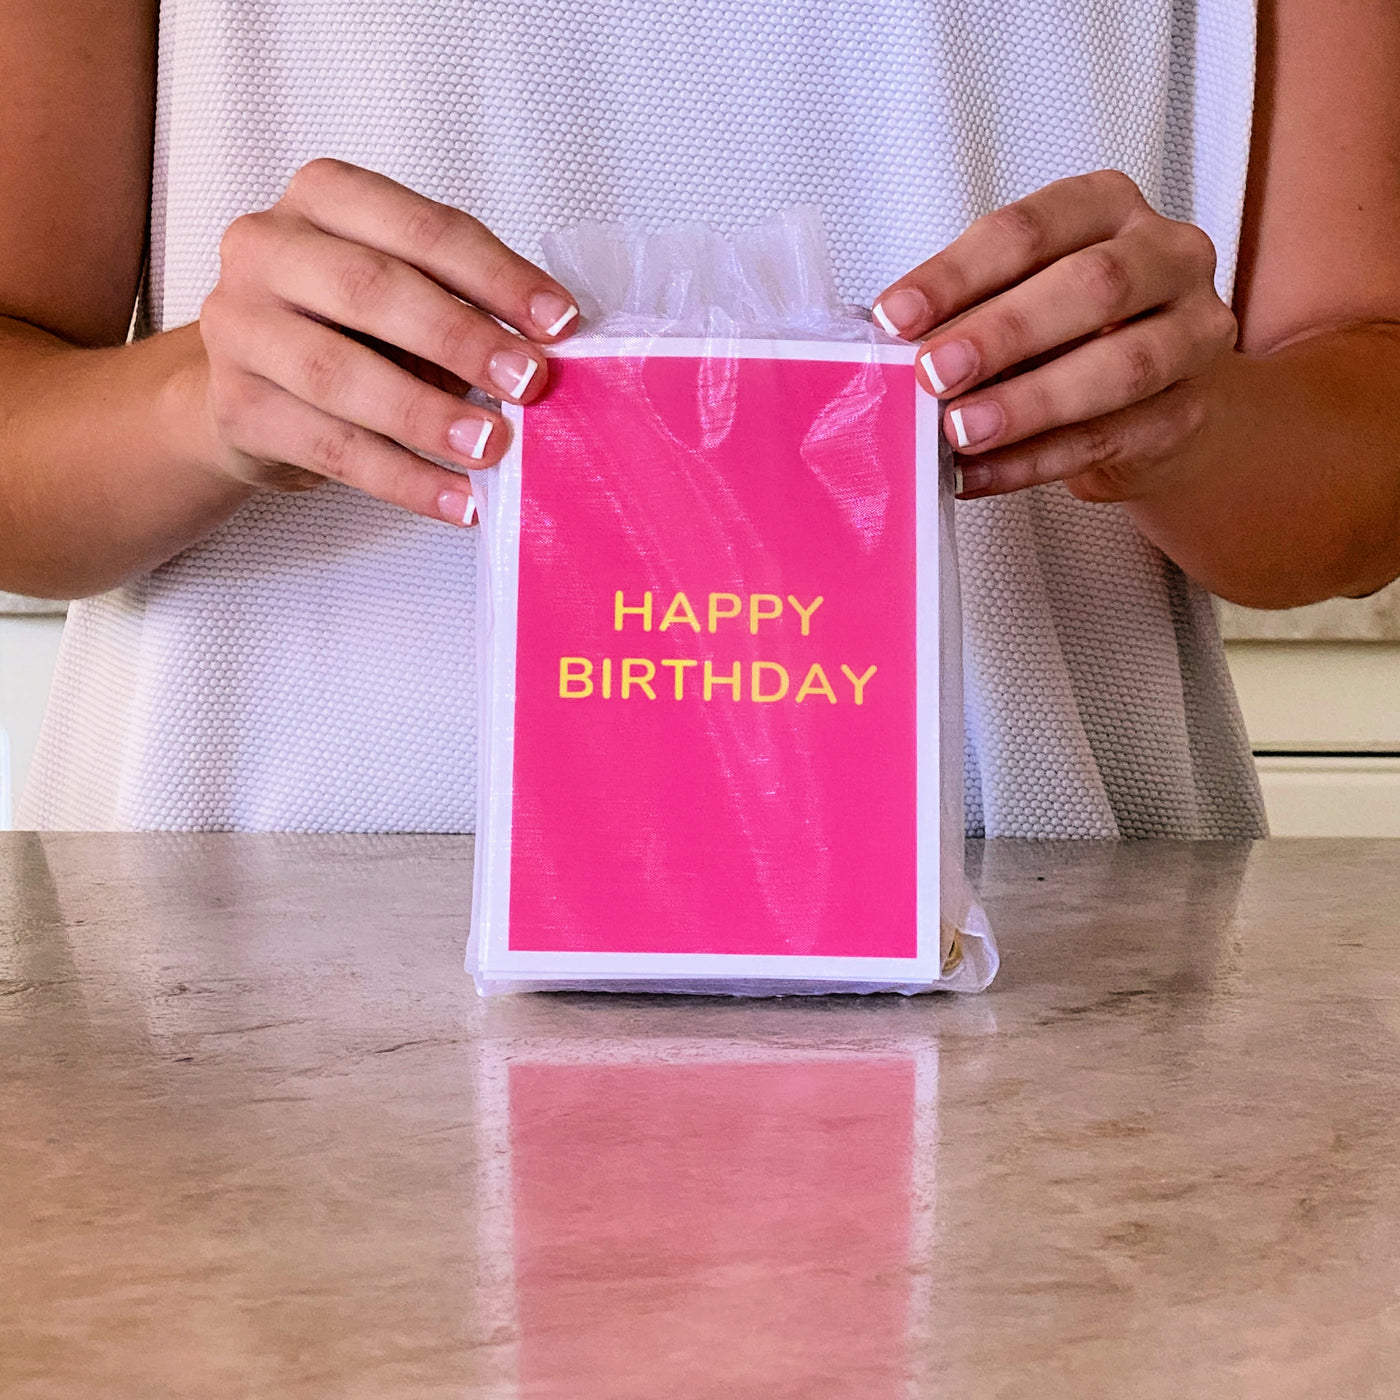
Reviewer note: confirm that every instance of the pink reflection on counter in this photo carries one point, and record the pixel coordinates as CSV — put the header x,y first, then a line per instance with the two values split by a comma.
x,y
744,1227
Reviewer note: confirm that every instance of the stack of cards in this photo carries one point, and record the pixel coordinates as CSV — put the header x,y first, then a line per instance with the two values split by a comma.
x,y
709,672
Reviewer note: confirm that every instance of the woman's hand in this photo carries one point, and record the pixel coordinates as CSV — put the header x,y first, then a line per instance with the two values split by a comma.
x,y
297,395
1066,334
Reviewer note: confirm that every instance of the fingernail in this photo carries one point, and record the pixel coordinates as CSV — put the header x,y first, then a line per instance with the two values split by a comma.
x,y
902,312
551,312
457,508
950,364
975,423
511,372
469,437
971,478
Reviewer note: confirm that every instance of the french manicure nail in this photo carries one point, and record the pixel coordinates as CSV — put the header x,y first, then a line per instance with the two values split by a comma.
x,y
886,324
551,312
949,365
975,423
902,312
457,508
511,372
469,437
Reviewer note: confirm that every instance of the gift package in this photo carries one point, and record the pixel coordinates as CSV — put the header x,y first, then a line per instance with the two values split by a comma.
x,y
718,642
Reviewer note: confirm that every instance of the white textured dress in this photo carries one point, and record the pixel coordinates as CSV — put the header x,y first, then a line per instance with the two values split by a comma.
x,y
310,665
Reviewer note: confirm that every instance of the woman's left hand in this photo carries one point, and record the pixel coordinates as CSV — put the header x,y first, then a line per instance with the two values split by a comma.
x,y
1067,335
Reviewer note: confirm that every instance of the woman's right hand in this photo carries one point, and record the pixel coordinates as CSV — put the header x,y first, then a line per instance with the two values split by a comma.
x,y
296,396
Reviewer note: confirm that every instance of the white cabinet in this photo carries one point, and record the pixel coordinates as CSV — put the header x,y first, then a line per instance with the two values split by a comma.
x,y
1324,721
28,648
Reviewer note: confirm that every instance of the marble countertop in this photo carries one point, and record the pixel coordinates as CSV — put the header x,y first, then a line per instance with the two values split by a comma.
x,y
260,1139
1373,619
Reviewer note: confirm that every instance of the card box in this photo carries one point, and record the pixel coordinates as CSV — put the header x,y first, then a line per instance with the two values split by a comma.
x,y
709,674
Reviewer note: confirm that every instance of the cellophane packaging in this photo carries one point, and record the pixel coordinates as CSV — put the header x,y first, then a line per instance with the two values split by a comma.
x,y
719,643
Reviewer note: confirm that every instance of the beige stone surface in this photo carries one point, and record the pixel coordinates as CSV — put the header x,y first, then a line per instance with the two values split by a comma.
x,y
261,1139
17,605
1373,619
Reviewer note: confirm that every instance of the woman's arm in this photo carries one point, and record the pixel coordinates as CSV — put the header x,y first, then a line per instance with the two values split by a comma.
x,y
94,484
1271,473
1291,493
115,457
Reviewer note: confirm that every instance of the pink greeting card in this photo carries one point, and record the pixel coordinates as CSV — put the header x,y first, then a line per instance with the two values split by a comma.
x,y
711,652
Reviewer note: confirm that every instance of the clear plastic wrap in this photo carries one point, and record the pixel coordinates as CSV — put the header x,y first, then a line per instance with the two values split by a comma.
x,y
719,642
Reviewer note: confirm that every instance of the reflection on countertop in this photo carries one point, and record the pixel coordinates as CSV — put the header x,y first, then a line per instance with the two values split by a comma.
x,y
261,1139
